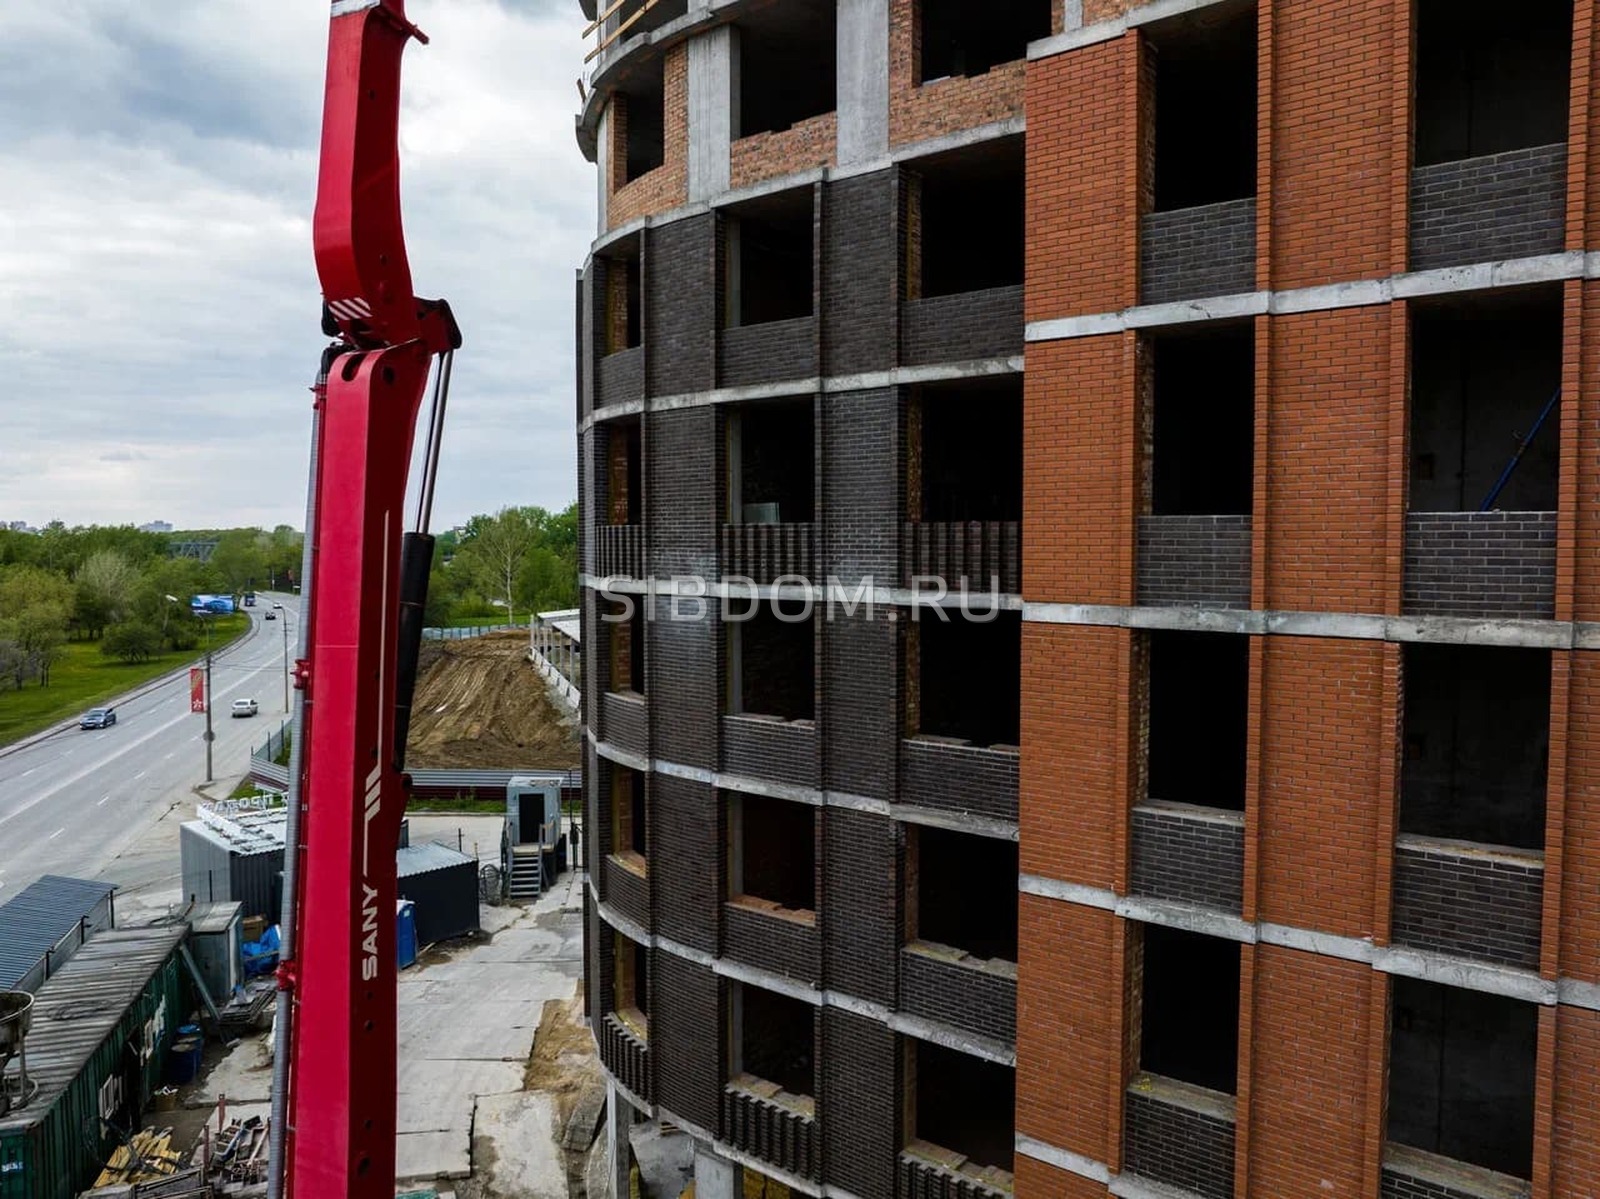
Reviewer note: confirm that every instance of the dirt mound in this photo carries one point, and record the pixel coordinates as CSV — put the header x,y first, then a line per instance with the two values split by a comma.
x,y
480,705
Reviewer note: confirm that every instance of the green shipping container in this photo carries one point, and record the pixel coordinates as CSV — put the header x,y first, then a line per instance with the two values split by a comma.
x,y
101,1028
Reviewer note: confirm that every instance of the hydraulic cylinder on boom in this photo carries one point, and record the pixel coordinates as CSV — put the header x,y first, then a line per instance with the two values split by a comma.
x,y
364,582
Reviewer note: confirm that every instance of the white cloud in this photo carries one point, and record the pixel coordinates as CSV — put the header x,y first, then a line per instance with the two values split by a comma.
x,y
158,300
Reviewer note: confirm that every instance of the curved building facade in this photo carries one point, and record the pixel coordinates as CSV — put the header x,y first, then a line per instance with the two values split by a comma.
x,y
1089,607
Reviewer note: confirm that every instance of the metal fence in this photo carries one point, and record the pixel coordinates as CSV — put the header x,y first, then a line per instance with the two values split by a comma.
x,y
477,630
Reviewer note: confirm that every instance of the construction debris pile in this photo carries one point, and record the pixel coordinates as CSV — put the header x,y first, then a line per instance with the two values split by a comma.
x,y
230,1160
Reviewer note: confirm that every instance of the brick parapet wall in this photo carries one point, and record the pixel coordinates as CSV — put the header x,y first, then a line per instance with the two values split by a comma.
x,y
1195,560
977,997
921,1178
961,327
623,722
1483,565
953,777
1176,1144
1190,855
803,146
625,1056
619,378
619,551
972,555
1467,900
767,748
770,352
771,1131
1510,205
627,892
782,944
1188,253
764,552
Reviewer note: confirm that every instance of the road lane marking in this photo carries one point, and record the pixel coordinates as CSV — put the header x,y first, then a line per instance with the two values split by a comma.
x,y
102,800
27,772
55,834
140,775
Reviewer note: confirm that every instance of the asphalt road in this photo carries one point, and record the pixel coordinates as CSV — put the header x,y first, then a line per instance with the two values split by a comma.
x,y
72,803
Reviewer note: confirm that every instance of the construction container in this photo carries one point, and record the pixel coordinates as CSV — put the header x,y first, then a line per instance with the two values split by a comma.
x,y
235,858
95,1052
215,938
443,883
43,925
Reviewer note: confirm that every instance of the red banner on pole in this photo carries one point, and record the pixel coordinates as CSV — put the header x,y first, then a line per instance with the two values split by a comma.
x,y
197,689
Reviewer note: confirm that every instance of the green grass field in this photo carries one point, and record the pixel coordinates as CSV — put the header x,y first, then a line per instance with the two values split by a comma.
x,y
85,678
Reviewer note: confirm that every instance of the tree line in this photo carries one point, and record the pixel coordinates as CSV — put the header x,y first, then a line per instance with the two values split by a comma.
x,y
122,587
499,568
127,590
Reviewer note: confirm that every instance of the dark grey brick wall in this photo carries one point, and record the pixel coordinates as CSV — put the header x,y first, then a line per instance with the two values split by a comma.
x,y
860,904
768,353
924,1180
957,328
585,342
686,1040
628,893
681,492
688,861
1468,904
861,721
680,295
859,273
619,377
959,778
971,554
863,483
1172,1144
1209,250
1480,564
771,1132
965,996
1177,855
1480,209
761,553
757,747
622,722
590,667
774,943
592,1007
859,1108
1194,560
625,1056
685,665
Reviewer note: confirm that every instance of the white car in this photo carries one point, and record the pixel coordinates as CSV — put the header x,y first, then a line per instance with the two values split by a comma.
x,y
244,707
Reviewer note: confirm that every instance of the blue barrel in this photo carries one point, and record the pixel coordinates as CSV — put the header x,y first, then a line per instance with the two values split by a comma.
x,y
406,938
183,1059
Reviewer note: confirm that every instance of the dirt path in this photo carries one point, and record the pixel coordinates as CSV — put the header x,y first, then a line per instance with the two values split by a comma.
x,y
480,704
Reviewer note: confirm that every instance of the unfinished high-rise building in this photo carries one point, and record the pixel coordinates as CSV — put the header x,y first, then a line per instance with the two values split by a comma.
x,y
1245,841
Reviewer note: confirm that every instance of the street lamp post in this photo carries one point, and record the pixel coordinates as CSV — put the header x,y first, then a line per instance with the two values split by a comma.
x,y
210,736
285,629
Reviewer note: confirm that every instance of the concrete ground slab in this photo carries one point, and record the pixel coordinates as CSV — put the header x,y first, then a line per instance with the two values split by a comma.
x,y
515,1147
244,1074
439,1094
422,1156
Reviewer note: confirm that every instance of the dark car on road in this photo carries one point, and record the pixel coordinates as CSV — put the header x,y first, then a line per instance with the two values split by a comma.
x,y
98,718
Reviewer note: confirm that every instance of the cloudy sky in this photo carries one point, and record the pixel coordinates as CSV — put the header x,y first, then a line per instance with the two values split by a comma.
x,y
158,300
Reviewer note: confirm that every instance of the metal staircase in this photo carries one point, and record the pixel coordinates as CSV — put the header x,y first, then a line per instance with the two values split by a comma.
x,y
527,872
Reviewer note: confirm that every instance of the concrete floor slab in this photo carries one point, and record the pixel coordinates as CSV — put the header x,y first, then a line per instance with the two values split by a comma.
x,y
423,1156
516,1150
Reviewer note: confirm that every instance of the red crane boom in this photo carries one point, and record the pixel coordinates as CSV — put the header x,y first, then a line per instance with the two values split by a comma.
x,y
334,1123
